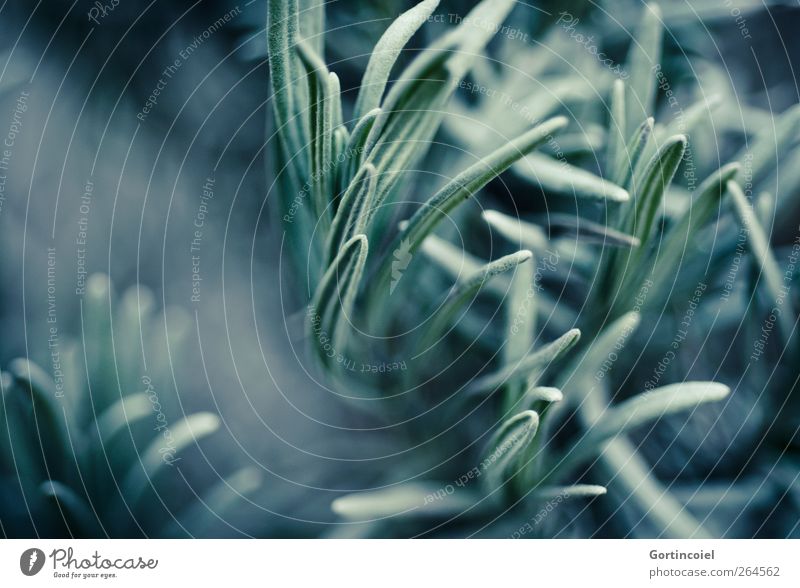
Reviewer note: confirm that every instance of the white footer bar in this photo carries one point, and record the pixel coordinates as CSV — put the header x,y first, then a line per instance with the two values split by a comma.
x,y
390,563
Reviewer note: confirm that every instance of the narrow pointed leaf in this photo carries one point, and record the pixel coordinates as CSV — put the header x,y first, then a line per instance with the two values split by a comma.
x,y
617,134
386,52
467,183
681,237
588,231
354,212
559,177
282,25
643,57
635,412
770,274
517,231
184,434
507,446
567,492
532,364
633,153
332,305
463,293
415,499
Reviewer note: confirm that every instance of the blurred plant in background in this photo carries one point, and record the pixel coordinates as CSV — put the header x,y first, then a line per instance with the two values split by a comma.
x,y
85,455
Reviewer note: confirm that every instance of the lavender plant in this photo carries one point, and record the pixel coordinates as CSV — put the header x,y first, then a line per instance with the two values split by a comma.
x,y
85,455
534,403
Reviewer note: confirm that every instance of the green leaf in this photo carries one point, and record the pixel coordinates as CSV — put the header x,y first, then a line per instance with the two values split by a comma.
x,y
681,237
567,492
282,27
323,89
635,412
588,231
543,394
332,305
415,499
463,293
508,444
630,157
643,57
21,450
165,450
559,177
532,365
119,417
617,134
520,312
649,189
48,418
386,52
354,212
610,340
770,275
465,185
635,479
415,105
357,142
517,231
311,15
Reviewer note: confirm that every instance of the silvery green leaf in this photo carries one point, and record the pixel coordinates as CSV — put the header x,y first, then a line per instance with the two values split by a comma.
x,y
633,154
617,133
332,306
517,231
559,177
358,138
323,89
311,16
355,210
520,311
466,184
610,341
282,30
413,499
48,419
588,231
414,107
644,56
385,54
184,434
650,187
118,417
681,236
567,492
463,293
614,422
508,444
533,364
770,275
634,478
